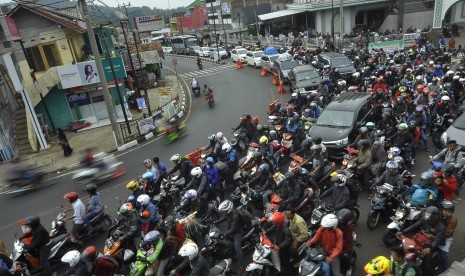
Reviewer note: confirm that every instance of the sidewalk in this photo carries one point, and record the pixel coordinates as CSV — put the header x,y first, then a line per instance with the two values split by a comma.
x,y
52,159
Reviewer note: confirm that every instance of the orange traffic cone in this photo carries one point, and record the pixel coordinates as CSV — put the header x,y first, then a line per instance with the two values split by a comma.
x,y
281,88
275,79
264,72
239,64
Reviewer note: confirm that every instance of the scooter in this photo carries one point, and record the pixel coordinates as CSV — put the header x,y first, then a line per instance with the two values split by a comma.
x,y
312,263
350,155
196,91
108,168
265,258
200,65
209,97
382,205
216,245
404,216
33,181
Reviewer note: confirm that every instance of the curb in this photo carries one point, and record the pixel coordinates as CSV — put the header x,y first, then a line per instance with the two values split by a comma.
x,y
195,57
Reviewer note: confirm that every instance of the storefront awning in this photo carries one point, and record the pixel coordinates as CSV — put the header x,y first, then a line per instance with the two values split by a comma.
x,y
278,14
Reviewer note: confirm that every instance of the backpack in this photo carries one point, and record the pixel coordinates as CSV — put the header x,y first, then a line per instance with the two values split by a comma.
x,y
354,188
245,217
421,197
411,265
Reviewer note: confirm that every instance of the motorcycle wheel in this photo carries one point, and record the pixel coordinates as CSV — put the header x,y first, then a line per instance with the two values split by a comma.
x,y
106,224
436,138
373,220
210,104
390,239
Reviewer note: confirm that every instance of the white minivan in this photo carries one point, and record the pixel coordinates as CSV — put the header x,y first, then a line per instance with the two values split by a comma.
x,y
238,54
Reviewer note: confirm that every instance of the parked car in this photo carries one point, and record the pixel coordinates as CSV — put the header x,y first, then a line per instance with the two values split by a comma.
x,y
254,58
304,78
213,53
237,54
336,60
339,121
283,66
267,61
455,132
168,50
193,50
203,51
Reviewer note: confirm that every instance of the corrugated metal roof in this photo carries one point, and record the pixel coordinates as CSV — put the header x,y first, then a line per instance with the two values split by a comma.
x,y
57,4
456,269
326,4
277,14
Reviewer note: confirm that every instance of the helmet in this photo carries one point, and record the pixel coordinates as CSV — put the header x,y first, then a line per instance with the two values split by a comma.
x,y
32,221
263,140
152,237
289,176
399,160
294,95
126,208
219,136
400,99
148,175
226,147
363,143
259,127
264,168
132,185
169,222
316,148
148,162
431,215
426,177
344,216
273,133
317,140
190,194
370,125
339,179
212,138
196,172
402,127
71,257
408,70
363,130
189,250
71,196
448,168
143,200
412,124
226,206
431,62
378,266
89,254
313,104
210,160
329,221
356,75
456,77
445,98
257,155
176,158
91,188
277,218
446,204
418,78
419,109
450,72
391,167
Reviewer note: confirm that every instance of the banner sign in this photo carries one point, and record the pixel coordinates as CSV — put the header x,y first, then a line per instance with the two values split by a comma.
x,y
387,46
145,125
149,23
10,28
93,87
78,98
85,73
141,103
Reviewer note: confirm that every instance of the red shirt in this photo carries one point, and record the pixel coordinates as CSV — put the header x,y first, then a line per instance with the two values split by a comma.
x,y
416,135
448,190
103,267
380,85
331,240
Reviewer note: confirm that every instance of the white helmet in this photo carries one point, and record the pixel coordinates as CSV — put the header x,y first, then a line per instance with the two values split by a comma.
x,y
219,136
342,82
226,206
329,221
189,250
143,200
71,257
356,75
462,80
391,61
294,95
431,62
445,98
450,72
196,172
226,147
175,157
190,194
357,57
418,77
456,77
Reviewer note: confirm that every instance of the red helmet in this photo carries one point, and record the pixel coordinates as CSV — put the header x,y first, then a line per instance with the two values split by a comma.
x,y
277,218
290,107
420,87
89,254
72,196
425,90
145,214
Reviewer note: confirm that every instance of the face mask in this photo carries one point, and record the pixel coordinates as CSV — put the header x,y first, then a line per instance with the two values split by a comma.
x,y
208,166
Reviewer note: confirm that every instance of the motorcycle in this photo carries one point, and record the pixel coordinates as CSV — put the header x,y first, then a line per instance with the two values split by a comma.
x,y
174,131
238,142
216,245
440,124
221,268
196,91
351,154
101,223
209,97
106,168
382,205
287,145
265,258
114,249
404,216
318,213
312,263
200,65
413,251
29,181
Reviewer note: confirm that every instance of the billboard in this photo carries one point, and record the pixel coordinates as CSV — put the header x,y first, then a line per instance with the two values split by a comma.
x,y
387,46
149,23
10,28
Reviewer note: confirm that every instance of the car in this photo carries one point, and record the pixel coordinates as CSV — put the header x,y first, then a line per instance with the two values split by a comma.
x,y
267,61
237,54
254,58
340,120
283,65
203,51
456,132
168,50
304,78
213,52
193,50
336,60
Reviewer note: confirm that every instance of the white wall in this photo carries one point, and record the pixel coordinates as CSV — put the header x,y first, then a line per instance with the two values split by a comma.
x,y
456,13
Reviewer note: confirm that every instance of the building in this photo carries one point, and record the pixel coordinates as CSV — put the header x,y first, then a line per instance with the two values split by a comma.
x,y
194,19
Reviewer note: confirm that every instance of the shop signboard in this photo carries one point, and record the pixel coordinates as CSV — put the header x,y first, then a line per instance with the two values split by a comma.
x,y
85,73
387,46
145,125
149,23
141,103
78,98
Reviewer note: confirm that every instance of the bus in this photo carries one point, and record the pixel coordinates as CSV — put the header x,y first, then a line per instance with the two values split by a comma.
x,y
182,43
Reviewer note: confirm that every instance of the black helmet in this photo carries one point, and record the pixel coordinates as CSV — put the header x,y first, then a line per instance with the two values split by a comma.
x,y
205,86
258,155
412,124
344,216
247,115
448,168
431,215
289,176
91,188
446,204
317,140
169,222
363,143
32,221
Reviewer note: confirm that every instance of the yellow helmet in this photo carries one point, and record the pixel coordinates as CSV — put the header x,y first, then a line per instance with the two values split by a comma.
x,y
133,185
402,89
378,266
263,139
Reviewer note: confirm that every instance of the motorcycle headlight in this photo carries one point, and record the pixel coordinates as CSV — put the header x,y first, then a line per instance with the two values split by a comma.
x,y
444,138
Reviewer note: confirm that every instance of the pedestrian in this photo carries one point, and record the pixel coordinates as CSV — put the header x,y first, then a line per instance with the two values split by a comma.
x,y
63,141
452,44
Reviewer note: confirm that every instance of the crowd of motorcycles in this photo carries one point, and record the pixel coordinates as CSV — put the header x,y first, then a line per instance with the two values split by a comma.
x,y
401,84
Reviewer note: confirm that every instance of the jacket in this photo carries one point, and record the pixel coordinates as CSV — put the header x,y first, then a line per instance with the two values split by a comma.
x,y
438,231
95,203
128,225
448,190
364,159
378,155
40,237
160,252
282,237
340,196
450,157
103,266
292,192
199,266
154,216
234,223
197,184
298,228
420,120
331,239
348,239
212,175
450,223
395,180
183,167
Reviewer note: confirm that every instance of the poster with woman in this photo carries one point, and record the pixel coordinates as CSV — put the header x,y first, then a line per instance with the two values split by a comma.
x,y
88,72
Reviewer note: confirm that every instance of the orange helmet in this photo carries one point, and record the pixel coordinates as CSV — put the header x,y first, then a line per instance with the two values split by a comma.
x,y
145,214
71,196
420,87
277,218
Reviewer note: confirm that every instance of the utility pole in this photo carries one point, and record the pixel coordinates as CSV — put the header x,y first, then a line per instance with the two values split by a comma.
x,y
256,18
341,23
103,79
240,30
222,22
214,28
332,22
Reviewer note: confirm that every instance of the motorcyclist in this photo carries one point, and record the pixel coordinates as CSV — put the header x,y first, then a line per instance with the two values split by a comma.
x,y
420,118
101,265
451,155
183,165
151,168
212,173
386,123
199,61
340,194
79,213
317,167
148,214
379,158
235,227
128,223
209,149
296,100
322,88
400,107
194,261
161,169
38,246
331,238
248,126
77,266
220,141
157,252
136,192
363,135
444,106
198,181
379,266
412,129
424,192
391,176
264,184
282,239
150,187
448,185
363,161
195,84
267,150
450,223
346,224
403,139
291,191
319,141
380,85
433,229
188,203
93,207
314,111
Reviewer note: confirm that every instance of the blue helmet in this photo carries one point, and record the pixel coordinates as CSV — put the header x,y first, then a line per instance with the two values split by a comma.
x,y
210,160
148,175
381,69
325,80
264,168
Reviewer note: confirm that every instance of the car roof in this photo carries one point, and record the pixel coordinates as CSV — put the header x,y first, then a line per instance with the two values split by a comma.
x,y
273,55
350,101
332,55
304,68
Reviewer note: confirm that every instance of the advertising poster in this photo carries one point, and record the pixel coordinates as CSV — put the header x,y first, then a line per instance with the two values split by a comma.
x,y
145,126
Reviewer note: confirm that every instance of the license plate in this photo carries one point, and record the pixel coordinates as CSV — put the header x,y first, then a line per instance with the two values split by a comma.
x,y
133,267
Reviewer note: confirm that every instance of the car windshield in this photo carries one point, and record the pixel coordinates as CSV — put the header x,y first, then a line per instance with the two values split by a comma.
x,y
288,64
241,51
340,62
336,118
195,48
205,49
459,123
258,54
307,75
191,42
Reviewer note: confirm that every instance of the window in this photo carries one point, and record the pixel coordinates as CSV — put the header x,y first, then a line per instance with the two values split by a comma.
x,y
6,44
336,118
43,57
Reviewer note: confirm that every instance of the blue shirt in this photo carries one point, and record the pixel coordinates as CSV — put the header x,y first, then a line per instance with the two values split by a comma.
x,y
232,155
212,175
438,73
314,113
162,169
95,203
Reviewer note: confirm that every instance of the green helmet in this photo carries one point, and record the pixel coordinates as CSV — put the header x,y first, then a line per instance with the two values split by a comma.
x,y
125,209
402,128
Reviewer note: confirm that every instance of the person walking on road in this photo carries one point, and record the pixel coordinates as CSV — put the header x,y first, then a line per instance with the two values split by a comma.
x,y
63,141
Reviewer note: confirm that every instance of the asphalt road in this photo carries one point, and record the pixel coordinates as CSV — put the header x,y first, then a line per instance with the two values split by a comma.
x,y
236,92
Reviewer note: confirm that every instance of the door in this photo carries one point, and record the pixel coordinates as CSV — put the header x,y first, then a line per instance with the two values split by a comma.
x,y
86,111
99,106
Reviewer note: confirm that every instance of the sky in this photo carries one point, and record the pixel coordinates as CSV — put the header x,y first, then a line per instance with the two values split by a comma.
x,y
161,4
